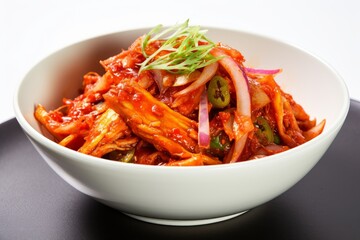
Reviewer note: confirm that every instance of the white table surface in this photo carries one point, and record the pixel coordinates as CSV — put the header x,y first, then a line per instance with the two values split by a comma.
x,y
30,30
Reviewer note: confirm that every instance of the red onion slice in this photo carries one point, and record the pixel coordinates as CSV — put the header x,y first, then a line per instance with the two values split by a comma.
x,y
262,71
207,73
204,128
243,101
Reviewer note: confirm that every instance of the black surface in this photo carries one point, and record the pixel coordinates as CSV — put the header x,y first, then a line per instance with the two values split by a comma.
x,y
36,204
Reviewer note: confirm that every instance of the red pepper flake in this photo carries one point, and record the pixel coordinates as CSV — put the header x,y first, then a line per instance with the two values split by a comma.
x,y
157,110
137,97
176,131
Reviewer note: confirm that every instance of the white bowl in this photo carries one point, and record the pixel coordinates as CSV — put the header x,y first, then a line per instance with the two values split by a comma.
x,y
185,195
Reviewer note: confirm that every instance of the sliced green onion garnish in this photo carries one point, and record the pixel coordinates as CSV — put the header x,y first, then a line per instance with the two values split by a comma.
x,y
180,57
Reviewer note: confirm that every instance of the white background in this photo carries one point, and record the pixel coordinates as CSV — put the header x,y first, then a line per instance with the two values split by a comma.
x,y
30,30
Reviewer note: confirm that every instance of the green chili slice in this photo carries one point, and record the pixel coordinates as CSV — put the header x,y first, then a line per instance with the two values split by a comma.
x,y
220,144
264,132
218,92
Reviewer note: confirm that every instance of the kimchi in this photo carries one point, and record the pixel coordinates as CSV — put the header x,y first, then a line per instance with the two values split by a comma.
x,y
176,98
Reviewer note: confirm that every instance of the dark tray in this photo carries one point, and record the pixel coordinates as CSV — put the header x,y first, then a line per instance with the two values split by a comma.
x,y
36,204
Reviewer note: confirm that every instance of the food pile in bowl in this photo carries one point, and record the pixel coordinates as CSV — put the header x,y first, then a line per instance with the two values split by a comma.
x,y
179,125
175,98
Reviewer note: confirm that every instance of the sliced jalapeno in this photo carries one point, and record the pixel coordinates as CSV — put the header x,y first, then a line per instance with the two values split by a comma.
x,y
220,144
277,139
218,92
215,143
264,132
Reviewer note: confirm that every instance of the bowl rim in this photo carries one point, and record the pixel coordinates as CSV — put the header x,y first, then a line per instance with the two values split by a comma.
x,y
88,159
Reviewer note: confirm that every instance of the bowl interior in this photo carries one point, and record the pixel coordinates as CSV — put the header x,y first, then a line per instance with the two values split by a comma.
x,y
312,83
